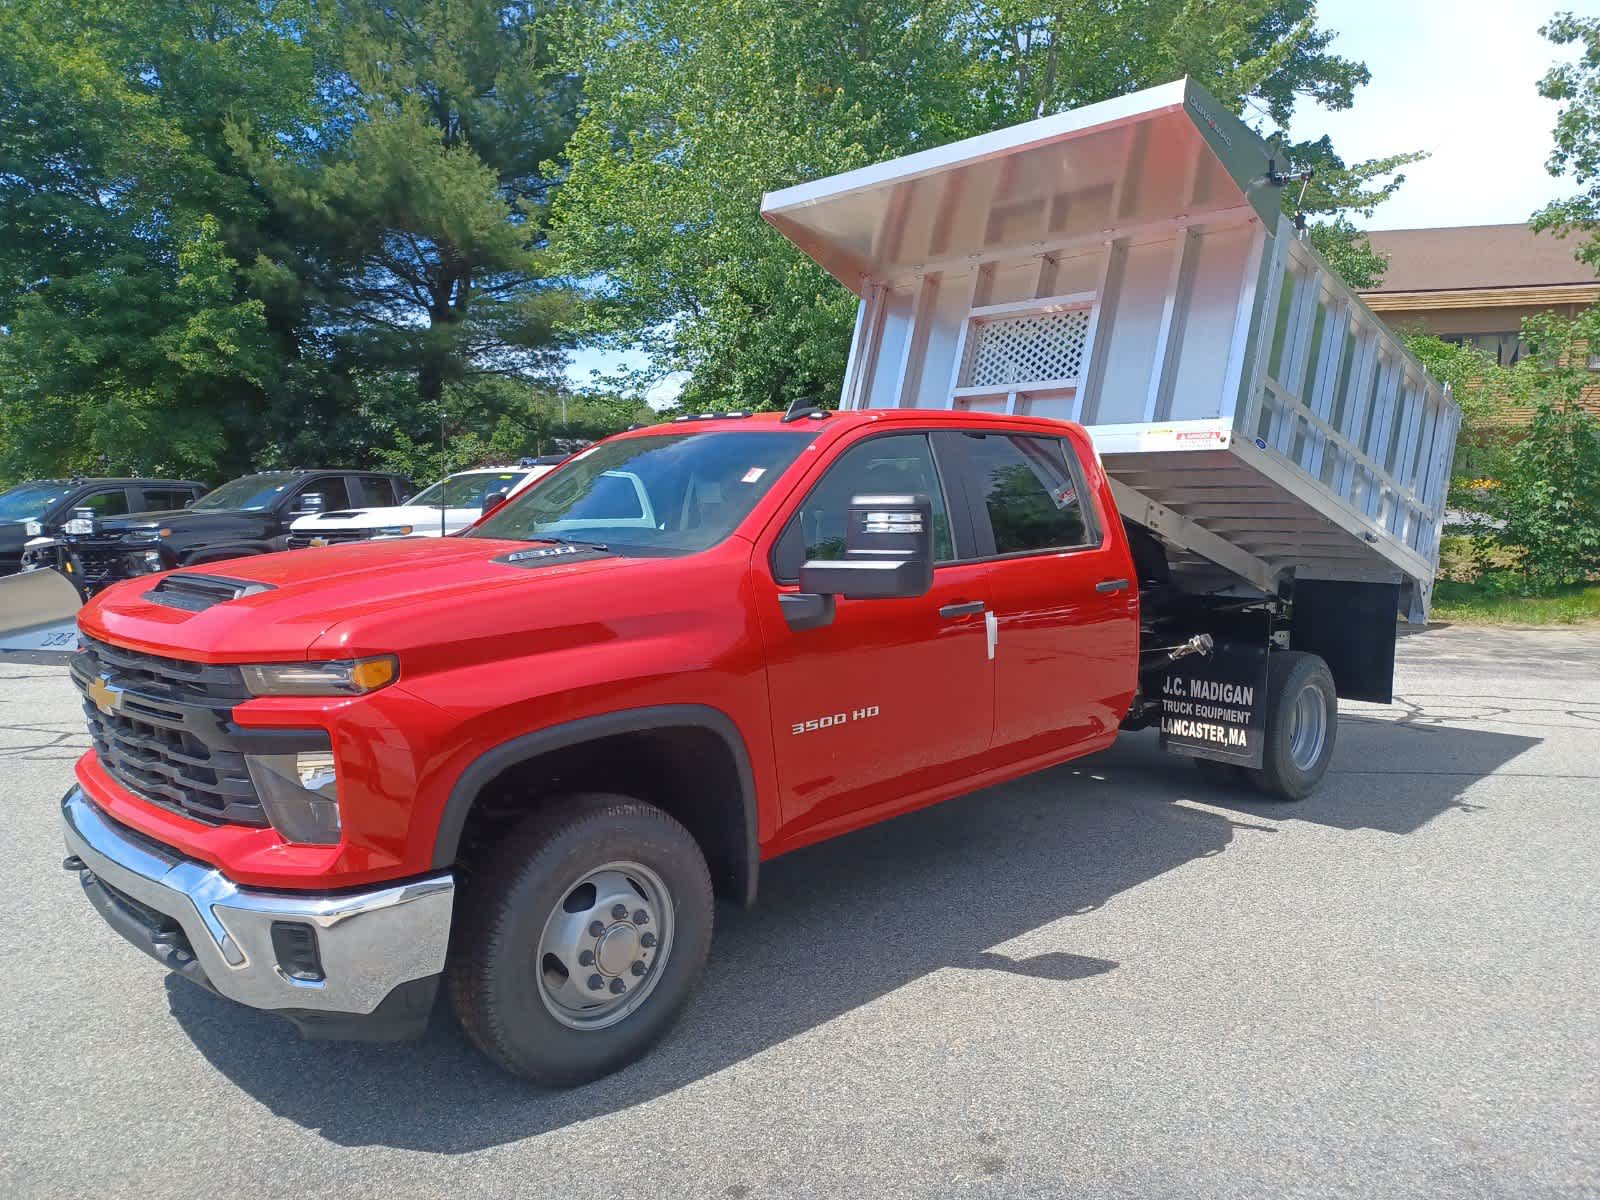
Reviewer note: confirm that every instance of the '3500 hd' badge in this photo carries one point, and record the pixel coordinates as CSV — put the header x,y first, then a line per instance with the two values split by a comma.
x,y
833,720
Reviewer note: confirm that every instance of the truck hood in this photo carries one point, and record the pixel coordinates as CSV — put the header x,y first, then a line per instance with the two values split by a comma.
x,y
343,601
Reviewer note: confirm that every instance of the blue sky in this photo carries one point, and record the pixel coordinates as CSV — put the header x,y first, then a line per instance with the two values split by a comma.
x,y
1456,78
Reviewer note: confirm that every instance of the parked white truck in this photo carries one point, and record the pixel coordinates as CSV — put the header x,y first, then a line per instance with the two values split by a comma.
x,y
446,507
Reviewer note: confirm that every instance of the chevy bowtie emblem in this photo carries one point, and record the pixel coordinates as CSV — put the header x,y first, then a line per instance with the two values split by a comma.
x,y
106,695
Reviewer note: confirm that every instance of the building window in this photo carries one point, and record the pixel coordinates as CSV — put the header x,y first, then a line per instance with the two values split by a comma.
x,y
1503,349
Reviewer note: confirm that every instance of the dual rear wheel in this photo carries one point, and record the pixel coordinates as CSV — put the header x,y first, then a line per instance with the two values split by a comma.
x,y
1302,723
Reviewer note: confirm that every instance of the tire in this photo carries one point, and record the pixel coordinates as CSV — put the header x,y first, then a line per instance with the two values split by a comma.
x,y
1298,750
538,896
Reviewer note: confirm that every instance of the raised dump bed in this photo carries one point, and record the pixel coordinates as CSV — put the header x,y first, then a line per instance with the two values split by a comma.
x,y
1128,265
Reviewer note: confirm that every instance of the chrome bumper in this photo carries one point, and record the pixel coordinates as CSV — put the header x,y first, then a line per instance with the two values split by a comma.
x,y
370,942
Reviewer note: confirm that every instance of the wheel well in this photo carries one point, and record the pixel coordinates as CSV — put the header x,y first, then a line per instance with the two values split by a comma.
x,y
689,771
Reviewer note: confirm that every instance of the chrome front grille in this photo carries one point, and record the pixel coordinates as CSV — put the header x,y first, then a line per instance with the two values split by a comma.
x,y
162,728
299,541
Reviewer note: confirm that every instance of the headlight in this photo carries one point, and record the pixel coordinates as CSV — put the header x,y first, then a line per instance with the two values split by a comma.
x,y
299,793
393,531
33,529
348,678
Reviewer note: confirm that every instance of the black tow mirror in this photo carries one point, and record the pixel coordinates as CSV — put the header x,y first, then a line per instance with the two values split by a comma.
x,y
888,552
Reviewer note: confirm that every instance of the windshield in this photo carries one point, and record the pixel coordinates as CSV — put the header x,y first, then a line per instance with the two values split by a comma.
x,y
468,490
30,501
666,493
250,493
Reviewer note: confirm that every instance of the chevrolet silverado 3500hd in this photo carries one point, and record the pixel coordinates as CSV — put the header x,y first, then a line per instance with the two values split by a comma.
x,y
519,762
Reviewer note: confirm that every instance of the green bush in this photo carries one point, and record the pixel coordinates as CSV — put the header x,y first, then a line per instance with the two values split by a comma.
x,y
1549,497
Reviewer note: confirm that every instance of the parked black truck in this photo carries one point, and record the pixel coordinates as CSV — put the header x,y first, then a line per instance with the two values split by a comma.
x,y
249,515
41,507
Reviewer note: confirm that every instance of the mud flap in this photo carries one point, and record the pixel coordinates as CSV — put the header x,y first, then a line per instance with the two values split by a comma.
x,y
1215,706
39,612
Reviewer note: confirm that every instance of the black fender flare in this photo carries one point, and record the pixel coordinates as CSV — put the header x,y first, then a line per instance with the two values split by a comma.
x,y
464,792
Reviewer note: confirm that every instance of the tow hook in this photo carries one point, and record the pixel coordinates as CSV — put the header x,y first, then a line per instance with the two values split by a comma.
x,y
73,863
1200,643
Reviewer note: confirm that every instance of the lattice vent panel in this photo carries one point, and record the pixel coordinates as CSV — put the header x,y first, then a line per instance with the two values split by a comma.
x,y
1029,348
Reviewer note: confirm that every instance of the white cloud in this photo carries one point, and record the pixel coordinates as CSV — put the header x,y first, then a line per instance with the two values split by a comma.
x,y
1457,78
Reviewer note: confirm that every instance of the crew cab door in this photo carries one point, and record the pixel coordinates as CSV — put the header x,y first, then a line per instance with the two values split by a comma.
x,y
893,696
1062,589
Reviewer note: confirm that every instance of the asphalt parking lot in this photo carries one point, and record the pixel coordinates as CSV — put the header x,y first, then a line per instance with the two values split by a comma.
x,y
1110,979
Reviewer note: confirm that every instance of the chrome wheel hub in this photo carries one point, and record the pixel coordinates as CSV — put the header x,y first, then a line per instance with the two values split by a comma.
x,y
603,947
1308,727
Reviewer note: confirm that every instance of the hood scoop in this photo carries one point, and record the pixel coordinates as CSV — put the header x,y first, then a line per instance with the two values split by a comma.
x,y
196,593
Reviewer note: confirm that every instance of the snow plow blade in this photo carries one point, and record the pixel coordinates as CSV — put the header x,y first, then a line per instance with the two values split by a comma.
x,y
39,613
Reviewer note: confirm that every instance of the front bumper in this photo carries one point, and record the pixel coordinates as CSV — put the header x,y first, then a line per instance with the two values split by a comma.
x,y
380,950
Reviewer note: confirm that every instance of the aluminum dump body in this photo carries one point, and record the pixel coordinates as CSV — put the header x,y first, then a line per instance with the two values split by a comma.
x,y
1127,265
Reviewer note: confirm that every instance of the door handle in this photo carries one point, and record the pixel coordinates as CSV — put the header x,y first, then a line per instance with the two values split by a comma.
x,y
1110,585
965,609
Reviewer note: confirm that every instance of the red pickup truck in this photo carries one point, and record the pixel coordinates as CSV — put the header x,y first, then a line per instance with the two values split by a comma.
x,y
521,762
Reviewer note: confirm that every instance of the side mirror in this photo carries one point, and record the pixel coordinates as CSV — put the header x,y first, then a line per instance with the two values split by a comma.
x,y
888,552
311,502
189,503
494,500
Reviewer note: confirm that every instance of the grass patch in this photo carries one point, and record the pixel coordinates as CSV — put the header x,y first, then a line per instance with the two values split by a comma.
x,y
1494,599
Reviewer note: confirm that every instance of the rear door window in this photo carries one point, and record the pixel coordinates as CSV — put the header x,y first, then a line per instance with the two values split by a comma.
x,y
1029,492
160,499
373,491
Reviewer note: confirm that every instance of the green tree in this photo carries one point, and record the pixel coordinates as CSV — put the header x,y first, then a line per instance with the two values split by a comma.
x,y
694,108
130,333
504,419
428,203
1540,482
249,232
1575,86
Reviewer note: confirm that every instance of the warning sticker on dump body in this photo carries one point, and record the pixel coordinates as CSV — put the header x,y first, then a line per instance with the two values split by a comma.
x,y
1214,706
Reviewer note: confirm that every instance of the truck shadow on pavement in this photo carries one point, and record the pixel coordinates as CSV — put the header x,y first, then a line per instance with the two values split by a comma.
x,y
842,923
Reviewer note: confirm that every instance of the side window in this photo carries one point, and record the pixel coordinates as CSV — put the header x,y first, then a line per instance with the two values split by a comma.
x,y
1029,491
106,504
898,464
162,499
373,491
332,490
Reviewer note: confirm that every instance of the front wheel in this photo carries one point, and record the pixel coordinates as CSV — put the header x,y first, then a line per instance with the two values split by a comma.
x,y
1302,721
580,938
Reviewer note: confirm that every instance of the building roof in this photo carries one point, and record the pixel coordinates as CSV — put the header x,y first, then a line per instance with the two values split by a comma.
x,y
1470,257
